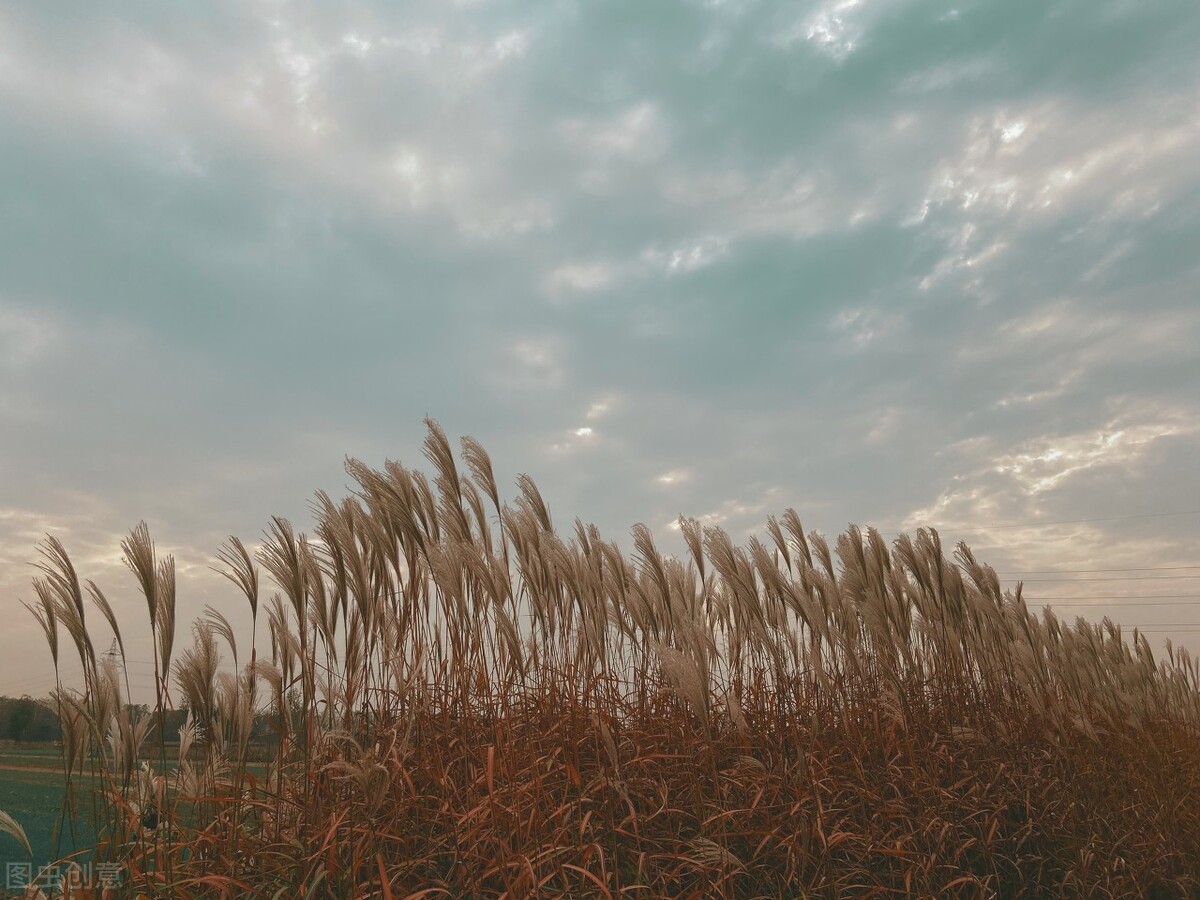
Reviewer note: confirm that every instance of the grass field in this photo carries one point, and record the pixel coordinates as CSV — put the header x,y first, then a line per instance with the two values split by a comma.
x,y
32,792
30,755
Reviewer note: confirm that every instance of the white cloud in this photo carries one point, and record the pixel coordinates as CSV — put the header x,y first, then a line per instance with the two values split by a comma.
x,y
421,43
1012,132
637,134
575,439
26,336
795,197
738,517
1001,485
1083,339
705,187
534,364
410,173
510,45
580,277
1044,463
1057,389
601,407
687,257
833,28
866,325
674,477
541,354
1023,162
358,46
942,76
886,424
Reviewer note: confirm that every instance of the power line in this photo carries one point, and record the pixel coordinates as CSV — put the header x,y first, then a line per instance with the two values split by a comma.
x,y
1122,597
1169,630
1106,578
46,676
1167,603
1160,626
1094,571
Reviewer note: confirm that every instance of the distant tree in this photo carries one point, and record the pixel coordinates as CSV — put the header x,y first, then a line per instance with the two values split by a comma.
x,y
21,715
28,719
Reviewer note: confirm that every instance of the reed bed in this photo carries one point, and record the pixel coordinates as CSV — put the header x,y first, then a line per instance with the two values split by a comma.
x,y
469,703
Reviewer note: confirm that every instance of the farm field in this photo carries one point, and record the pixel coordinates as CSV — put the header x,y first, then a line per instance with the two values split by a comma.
x,y
31,756
32,792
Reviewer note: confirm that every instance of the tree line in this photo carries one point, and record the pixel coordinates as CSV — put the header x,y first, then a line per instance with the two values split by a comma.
x,y
28,719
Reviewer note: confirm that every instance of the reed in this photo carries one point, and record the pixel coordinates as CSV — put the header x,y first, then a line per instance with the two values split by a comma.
x,y
469,703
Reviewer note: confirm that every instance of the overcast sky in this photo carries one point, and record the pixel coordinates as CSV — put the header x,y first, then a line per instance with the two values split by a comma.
x,y
893,263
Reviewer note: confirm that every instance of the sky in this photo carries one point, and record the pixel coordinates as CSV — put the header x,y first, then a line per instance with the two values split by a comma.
x,y
890,262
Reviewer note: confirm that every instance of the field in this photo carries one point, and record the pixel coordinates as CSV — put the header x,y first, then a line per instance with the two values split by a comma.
x,y
32,791
36,756
468,702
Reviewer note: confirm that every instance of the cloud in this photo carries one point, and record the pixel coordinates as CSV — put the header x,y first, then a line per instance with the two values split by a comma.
x,y
540,364
26,337
687,258
601,407
892,262
834,28
1042,465
635,134
673,477
580,277
866,326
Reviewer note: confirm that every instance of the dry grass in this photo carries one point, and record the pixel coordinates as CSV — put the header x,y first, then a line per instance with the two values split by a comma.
x,y
471,704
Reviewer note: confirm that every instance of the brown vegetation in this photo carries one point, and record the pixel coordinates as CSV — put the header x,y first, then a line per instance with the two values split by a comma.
x,y
472,704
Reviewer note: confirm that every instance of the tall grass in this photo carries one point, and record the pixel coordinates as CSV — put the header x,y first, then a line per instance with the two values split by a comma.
x,y
472,703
